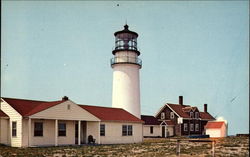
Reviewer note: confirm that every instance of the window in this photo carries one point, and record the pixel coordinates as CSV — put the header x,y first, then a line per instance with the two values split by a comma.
x,y
185,127
196,127
102,130
151,129
13,129
127,130
172,115
197,115
124,130
68,107
191,115
162,115
130,130
38,129
191,127
62,129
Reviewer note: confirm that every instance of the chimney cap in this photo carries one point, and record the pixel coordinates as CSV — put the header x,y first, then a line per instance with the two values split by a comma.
x,y
65,98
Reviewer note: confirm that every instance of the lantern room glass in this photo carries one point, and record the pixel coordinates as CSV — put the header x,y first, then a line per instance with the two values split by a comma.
x,y
125,41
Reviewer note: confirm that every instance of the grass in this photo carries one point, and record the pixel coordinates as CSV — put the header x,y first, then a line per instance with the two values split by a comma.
x,y
230,146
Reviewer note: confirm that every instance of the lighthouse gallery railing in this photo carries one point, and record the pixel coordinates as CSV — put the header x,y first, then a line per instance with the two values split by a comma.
x,y
126,59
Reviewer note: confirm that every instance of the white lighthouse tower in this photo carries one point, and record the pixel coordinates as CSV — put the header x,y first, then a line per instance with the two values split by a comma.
x,y
126,66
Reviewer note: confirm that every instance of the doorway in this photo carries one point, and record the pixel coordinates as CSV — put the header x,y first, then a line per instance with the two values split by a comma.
x,y
82,133
163,131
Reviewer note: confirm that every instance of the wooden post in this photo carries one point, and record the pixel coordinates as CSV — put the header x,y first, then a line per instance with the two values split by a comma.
x,y
29,132
178,148
213,148
56,132
79,132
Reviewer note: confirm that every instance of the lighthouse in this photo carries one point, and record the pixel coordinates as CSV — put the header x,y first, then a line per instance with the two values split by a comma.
x,y
126,66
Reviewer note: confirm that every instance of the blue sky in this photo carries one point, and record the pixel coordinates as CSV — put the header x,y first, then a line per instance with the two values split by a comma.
x,y
198,49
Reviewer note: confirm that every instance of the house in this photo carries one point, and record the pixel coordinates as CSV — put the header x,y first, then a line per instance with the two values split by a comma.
x,y
26,123
177,120
216,129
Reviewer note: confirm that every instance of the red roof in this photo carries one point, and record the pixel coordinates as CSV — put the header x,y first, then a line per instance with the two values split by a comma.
x,y
206,115
150,120
111,114
179,110
2,114
29,107
182,111
214,125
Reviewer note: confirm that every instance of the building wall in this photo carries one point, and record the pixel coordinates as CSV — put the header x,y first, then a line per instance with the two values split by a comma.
x,y
14,117
113,133
48,137
93,128
4,131
224,131
126,88
213,132
69,139
170,130
156,131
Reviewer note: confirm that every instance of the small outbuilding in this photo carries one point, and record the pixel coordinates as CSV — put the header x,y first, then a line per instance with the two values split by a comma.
x,y
216,128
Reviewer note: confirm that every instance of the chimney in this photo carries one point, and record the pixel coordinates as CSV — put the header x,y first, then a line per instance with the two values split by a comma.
x,y
181,100
65,98
205,108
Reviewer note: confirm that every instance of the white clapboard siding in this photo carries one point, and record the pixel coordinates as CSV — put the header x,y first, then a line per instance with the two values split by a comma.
x,y
14,117
113,133
156,130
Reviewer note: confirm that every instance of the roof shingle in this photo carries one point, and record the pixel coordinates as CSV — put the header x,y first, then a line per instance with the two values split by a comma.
x,y
29,107
2,114
150,120
214,125
111,114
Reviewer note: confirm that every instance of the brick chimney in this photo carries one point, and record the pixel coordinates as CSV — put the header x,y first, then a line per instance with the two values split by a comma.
x,y
181,100
205,108
65,98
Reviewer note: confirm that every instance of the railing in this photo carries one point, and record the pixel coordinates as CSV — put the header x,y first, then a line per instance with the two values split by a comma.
x,y
125,47
126,59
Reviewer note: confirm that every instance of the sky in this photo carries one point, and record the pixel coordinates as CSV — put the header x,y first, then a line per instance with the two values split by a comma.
x,y
197,49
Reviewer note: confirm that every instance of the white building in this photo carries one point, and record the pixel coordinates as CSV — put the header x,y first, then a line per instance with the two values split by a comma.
x,y
26,123
216,129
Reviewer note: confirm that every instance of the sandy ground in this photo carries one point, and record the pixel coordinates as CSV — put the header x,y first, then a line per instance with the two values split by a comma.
x,y
230,146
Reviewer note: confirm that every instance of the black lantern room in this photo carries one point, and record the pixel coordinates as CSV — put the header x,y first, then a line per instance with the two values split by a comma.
x,y
126,40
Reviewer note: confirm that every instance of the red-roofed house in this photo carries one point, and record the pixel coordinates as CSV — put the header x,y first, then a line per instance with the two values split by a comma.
x,y
63,122
179,119
216,129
